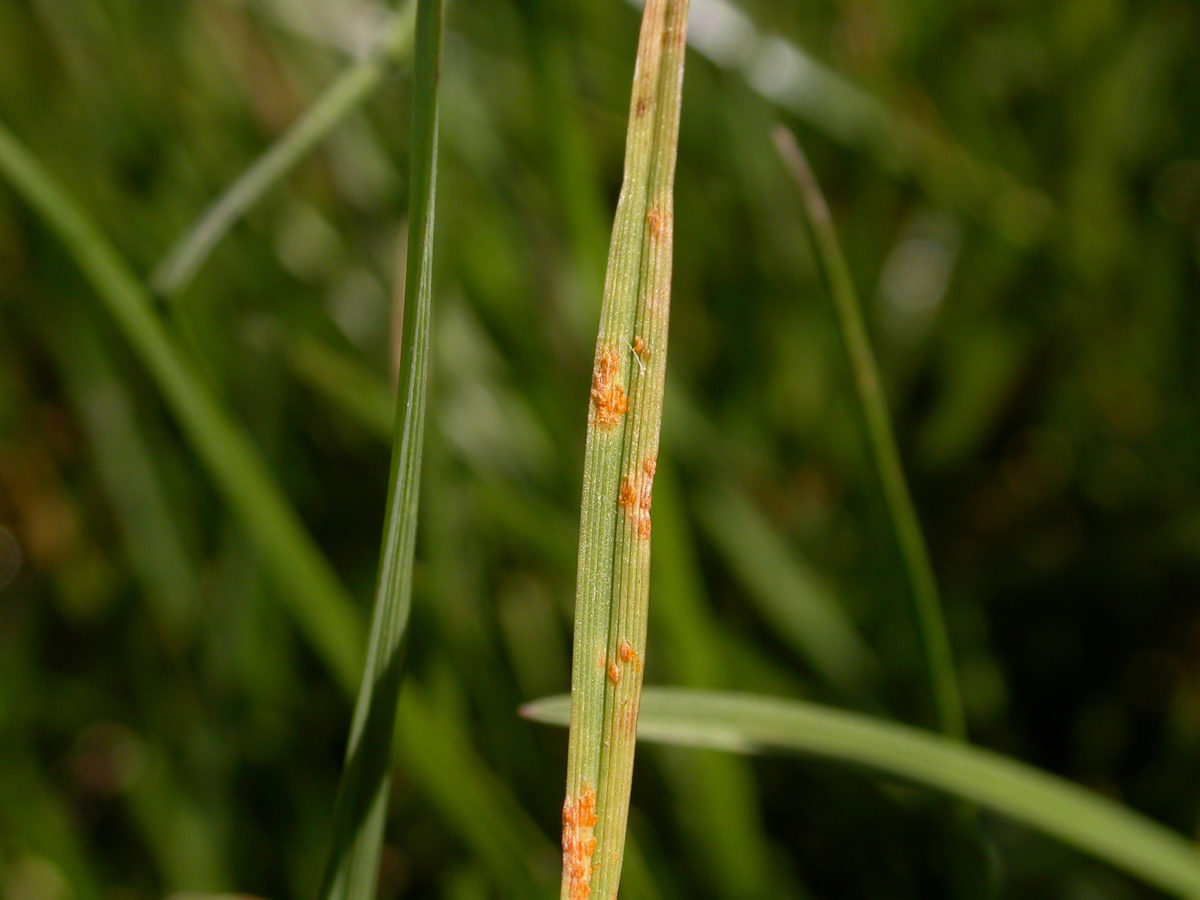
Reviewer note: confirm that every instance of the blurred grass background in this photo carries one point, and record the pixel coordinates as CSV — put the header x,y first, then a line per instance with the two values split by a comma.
x,y
1017,187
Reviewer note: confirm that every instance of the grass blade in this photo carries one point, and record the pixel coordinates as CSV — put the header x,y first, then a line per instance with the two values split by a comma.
x,y
747,723
349,91
303,579
799,608
353,865
304,576
346,382
152,531
794,80
835,273
717,795
622,453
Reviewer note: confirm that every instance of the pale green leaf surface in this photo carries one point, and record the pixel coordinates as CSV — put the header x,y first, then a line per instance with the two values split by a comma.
x,y
746,723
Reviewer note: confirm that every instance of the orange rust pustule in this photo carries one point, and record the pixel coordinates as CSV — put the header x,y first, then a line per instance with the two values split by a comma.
x,y
636,496
628,497
640,349
578,844
654,220
614,673
609,402
629,655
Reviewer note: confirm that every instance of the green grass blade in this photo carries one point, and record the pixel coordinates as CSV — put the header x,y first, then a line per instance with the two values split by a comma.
x,y
799,608
794,80
152,530
349,384
349,91
931,622
302,576
306,580
619,466
38,824
353,865
746,723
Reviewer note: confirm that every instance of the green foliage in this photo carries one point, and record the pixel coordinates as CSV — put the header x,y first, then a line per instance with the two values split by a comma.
x,y
352,867
1015,189
748,724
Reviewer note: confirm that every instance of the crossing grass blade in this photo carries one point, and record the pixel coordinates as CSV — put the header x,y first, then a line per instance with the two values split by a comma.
x,y
745,723
349,91
306,580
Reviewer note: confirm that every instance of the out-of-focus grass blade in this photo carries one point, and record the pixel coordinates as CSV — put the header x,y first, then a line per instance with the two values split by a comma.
x,y
794,80
125,463
347,382
353,865
746,723
181,263
718,810
301,574
182,840
795,603
306,580
931,623
492,822
38,828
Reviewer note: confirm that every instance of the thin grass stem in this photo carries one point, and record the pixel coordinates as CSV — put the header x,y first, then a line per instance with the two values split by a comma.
x,y
931,623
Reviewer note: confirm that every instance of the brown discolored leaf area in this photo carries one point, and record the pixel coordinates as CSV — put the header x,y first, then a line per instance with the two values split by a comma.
x,y
578,842
609,401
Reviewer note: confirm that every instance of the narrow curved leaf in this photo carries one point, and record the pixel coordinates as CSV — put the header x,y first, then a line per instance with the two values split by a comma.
x,y
745,723
872,406
352,868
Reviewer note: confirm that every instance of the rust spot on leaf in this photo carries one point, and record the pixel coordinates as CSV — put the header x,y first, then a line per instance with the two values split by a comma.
x,y
629,494
628,716
578,844
637,494
640,349
609,402
643,103
629,655
654,220
614,673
